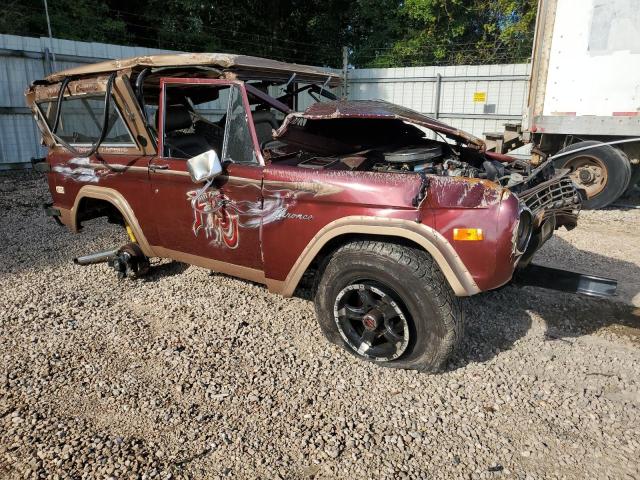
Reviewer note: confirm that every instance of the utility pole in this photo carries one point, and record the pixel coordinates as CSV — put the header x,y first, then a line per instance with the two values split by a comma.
x,y
345,72
53,54
436,109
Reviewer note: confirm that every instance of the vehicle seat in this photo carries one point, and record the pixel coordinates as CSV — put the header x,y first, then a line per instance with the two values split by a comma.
x,y
180,139
211,132
264,122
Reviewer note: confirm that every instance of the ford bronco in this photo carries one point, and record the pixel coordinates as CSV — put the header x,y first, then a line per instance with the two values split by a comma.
x,y
207,159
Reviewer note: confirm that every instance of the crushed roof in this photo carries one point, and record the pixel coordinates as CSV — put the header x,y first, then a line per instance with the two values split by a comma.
x,y
225,61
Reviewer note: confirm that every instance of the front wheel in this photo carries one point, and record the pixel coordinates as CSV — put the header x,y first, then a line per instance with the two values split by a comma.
x,y
389,304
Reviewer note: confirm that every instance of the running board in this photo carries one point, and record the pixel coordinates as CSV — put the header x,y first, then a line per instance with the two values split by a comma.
x,y
565,281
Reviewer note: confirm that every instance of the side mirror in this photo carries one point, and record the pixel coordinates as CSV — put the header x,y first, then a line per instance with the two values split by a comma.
x,y
204,167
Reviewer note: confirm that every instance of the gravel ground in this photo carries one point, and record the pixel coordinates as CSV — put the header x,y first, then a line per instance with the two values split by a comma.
x,y
191,375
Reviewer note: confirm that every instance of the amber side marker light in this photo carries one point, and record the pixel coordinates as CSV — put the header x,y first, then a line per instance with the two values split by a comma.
x,y
467,234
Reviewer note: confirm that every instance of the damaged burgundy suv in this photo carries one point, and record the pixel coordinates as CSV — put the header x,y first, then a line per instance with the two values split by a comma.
x,y
204,159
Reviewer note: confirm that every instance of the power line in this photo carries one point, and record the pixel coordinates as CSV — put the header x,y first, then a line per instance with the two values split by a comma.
x,y
397,48
238,42
235,32
223,39
454,57
181,43
295,55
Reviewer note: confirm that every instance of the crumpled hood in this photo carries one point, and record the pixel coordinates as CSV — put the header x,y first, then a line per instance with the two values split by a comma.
x,y
379,109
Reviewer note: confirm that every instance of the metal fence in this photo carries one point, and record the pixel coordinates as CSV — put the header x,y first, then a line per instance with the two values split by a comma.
x,y
477,99
25,59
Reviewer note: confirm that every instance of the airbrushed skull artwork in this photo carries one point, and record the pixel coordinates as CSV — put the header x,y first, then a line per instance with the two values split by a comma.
x,y
222,219
211,217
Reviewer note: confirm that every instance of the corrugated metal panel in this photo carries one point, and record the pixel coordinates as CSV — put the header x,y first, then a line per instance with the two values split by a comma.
x,y
504,88
22,61
19,139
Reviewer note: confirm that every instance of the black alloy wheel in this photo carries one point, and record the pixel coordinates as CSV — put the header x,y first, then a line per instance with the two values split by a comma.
x,y
371,321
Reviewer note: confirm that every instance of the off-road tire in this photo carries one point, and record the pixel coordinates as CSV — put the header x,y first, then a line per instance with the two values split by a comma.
x,y
434,313
618,170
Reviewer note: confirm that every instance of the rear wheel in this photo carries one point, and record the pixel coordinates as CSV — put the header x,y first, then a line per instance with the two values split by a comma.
x,y
603,172
131,262
389,304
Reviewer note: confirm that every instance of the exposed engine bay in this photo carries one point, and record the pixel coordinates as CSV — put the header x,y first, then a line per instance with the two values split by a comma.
x,y
435,158
304,145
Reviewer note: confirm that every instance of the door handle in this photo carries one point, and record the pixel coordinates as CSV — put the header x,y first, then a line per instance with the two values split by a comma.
x,y
153,168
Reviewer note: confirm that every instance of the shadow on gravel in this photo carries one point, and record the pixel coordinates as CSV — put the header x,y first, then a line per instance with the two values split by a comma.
x,y
30,240
157,272
496,320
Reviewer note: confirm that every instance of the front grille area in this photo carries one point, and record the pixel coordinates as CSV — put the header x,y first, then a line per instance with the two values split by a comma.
x,y
553,195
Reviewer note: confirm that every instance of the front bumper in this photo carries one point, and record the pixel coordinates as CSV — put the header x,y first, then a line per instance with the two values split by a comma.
x,y
565,281
557,198
553,204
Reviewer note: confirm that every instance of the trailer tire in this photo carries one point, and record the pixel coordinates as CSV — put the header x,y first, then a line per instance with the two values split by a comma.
x,y
397,295
635,181
604,172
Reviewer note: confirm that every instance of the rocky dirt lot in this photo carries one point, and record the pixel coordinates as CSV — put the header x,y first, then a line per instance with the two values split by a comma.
x,y
188,374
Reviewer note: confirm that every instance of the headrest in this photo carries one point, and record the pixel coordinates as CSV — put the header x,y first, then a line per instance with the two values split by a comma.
x,y
260,116
177,117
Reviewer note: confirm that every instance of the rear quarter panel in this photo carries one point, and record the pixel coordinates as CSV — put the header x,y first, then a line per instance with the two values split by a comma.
x,y
127,174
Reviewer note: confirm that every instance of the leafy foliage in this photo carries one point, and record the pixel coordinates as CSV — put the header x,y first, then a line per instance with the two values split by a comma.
x,y
378,32
84,20
458,32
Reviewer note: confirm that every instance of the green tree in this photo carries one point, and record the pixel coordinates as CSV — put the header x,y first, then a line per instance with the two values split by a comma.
x,y
374,27
378,32
461,32
86,20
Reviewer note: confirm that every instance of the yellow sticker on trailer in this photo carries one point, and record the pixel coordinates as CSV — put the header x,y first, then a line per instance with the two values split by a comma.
x,y
479,97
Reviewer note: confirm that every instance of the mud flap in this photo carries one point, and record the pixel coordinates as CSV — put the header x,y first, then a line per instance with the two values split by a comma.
x,y
565,281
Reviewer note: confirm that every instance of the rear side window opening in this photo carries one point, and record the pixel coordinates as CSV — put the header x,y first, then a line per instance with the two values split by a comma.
x,y
81,120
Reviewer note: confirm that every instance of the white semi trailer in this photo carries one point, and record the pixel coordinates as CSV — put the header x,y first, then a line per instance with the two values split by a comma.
x,y
585,89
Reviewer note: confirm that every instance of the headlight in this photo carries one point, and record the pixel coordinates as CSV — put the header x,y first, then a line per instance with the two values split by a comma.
x,y
525,227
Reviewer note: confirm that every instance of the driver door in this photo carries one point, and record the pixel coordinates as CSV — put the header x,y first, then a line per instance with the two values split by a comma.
x,y
218,220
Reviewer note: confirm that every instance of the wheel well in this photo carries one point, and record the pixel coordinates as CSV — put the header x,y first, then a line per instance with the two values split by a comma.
x,y
318,263
90,208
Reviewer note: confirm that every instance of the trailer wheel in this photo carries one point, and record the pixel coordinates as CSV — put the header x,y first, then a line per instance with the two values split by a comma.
x,y
389,304
604,172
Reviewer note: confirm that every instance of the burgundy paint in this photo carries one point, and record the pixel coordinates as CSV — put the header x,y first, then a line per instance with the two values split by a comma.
x,y
501,157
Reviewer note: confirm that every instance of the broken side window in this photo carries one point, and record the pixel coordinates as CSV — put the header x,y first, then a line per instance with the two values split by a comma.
x,y
81,120
238,144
